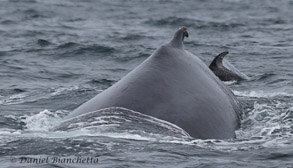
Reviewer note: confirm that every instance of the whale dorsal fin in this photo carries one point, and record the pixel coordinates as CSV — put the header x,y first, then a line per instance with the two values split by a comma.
x,y
178,38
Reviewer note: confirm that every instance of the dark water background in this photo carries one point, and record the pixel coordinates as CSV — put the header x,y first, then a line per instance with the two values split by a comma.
x,y
55,55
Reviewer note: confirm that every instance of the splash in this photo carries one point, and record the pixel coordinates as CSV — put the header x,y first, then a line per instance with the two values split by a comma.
x,y
267,121
43,121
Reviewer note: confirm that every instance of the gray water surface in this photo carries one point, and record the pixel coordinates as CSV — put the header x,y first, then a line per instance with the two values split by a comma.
x,y
55,55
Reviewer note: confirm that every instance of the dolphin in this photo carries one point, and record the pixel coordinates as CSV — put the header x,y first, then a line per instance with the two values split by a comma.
x,y
225,73
176,86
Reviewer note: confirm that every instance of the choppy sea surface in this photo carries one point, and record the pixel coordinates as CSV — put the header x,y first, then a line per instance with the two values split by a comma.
x,y
55,55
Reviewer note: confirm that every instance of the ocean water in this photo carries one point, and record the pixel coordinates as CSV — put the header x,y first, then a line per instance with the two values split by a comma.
x,y
55,55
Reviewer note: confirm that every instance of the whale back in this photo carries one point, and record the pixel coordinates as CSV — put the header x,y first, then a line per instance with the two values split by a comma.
x,y
176,86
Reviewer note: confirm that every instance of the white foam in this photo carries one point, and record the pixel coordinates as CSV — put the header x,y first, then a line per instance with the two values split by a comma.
x,y
230,82
43,121
62,90
13,99
266,120
261,94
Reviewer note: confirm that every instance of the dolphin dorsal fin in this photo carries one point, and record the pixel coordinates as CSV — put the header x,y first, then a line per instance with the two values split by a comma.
x,y
218,61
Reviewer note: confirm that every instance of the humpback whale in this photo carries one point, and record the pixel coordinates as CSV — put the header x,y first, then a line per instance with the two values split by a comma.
x,y
176,86
225,73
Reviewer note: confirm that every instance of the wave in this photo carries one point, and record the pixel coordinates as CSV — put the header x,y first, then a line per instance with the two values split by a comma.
x,y
72,49
120,120
43,43
194,23
132,37
266,124
13,99
20,95
114,122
